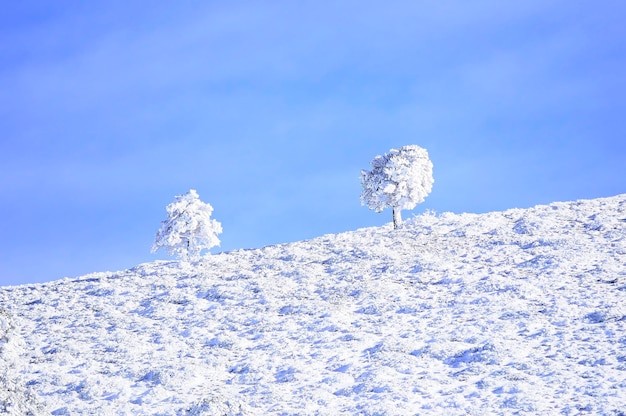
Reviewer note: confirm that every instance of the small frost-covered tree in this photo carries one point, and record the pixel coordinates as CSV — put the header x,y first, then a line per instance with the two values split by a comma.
x,y
188,228
399,180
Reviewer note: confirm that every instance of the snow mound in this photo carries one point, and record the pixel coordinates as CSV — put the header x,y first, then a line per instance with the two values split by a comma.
x,y
15,398
514,312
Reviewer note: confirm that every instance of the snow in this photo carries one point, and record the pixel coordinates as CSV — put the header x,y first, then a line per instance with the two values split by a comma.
x,y
514,312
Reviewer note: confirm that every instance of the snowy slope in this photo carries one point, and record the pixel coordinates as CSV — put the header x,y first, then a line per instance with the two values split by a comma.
x,y
515,312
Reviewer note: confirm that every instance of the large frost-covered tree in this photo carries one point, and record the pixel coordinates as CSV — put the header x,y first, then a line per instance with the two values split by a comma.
x,y
188,228
400,179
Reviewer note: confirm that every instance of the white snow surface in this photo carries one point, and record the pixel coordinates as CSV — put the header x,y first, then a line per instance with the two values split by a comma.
x,y
514,312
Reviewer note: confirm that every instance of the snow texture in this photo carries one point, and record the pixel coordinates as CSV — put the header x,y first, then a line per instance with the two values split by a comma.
x,y
514,312
15,398
188,228
400,179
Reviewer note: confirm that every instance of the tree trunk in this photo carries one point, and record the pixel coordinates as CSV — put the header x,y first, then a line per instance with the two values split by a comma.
x,y
397,218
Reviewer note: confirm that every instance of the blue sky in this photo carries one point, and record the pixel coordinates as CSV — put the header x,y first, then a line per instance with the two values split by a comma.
x,y
270,110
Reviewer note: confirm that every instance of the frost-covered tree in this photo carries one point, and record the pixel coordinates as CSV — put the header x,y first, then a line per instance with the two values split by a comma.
x,y
188,228
399,180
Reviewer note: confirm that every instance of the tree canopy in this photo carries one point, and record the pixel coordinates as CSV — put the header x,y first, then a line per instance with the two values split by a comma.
x,y
188,229
399,179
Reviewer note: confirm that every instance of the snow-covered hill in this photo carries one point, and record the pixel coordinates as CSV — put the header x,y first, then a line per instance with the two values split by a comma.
x,y
515,312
